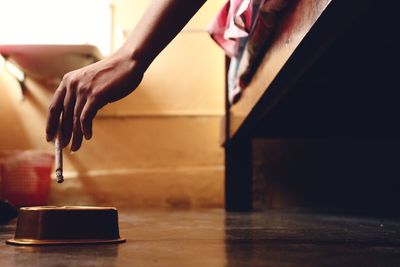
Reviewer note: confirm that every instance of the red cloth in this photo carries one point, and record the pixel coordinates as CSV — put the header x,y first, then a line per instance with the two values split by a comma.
x,y
240,32
231,23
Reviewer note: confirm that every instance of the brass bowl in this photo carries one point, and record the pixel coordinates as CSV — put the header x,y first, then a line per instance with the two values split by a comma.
x,y
49,225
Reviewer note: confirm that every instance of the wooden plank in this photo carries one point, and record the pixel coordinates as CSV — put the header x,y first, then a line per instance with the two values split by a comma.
x,y
310,27
350,91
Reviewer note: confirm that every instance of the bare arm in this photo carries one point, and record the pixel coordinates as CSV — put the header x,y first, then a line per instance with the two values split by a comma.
x,y
160,23
83,92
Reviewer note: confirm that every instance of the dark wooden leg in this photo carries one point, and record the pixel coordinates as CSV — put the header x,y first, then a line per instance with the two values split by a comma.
x,y
238,175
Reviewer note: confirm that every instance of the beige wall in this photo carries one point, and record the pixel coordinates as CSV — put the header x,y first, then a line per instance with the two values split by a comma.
x,y
186,79
158,147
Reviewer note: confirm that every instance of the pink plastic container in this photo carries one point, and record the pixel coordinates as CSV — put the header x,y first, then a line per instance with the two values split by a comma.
x,y
25,177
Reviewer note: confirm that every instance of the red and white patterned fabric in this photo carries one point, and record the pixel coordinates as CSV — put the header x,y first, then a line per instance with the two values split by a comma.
x,y
244,29
232,22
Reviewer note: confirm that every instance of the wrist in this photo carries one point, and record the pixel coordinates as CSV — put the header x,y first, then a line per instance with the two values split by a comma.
x,y
135,59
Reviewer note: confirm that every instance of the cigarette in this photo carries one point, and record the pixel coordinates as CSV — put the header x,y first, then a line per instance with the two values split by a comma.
x,y
59,158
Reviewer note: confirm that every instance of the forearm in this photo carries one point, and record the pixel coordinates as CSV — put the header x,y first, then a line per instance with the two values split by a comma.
x,y
160,23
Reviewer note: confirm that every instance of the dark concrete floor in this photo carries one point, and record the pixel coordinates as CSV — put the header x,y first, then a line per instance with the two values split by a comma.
x,y
213,238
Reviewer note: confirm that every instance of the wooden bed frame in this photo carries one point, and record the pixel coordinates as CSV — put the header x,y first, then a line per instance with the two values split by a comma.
x,y
310,37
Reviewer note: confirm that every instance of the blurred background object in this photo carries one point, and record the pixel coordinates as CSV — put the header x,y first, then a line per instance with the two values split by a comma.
x,y
25,177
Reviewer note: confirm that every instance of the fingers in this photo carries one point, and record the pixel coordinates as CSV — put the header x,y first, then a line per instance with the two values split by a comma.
x,y
68,116
77,129
78,111
88,113
55,109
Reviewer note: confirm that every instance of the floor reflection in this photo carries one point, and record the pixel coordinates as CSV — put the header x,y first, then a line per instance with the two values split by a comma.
x,y
296,239
66,256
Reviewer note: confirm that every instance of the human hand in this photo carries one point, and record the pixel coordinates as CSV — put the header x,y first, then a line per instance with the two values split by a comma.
x,y
83,92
